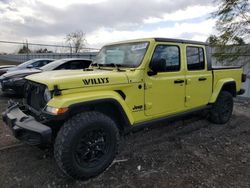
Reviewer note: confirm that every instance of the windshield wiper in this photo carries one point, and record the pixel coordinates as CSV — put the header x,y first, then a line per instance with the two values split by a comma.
x,y
96,65
114,65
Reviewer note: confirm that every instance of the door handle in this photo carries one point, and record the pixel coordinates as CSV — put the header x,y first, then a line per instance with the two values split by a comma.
x,y
202,79
179,81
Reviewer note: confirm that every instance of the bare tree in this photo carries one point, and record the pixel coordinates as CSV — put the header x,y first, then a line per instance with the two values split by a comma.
x,y
25,48
233,26
76,40
233,21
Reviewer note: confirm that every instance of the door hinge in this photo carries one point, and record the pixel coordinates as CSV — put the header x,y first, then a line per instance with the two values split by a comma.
x,y
187,98
148,106
188,81
148,85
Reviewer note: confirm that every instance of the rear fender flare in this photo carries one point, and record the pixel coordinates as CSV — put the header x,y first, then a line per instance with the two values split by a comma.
x,y
219,86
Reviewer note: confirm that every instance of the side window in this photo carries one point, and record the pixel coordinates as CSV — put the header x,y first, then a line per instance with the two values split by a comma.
x,y
170,55
76,65
45,62
195,58
71,65
40,63
36,64
63,66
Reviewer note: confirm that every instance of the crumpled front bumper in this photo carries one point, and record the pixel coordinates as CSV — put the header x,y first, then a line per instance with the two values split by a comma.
x,y
25,127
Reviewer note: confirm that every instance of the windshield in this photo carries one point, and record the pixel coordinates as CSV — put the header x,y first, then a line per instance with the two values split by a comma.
x,y
26,63
51,66
122,55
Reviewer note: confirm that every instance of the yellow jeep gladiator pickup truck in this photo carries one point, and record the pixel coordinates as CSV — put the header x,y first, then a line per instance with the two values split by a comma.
x,y
131,84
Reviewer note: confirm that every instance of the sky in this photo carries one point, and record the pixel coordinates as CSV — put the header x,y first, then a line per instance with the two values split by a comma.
x,y
104,21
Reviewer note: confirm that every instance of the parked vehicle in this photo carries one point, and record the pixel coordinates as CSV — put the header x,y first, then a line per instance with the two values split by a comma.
x,y
6,66
34,63
131,84
14,81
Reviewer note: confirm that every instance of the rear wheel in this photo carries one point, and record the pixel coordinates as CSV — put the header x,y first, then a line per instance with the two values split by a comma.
x,y
86,145
222,109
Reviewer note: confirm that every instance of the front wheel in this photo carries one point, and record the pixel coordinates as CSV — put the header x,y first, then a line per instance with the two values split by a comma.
x,y
222,109
86,145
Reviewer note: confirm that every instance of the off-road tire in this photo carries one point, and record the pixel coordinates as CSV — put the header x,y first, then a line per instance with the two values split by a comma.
x,y
222,109
70,135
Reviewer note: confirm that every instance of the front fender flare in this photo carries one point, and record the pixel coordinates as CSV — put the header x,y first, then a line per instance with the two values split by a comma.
x,y
70,100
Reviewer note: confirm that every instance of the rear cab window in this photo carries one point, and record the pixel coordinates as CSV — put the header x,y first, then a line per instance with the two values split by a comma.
x,y
195,58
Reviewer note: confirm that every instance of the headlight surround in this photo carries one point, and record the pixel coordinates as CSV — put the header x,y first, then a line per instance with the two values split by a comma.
x,y
15,79
47,95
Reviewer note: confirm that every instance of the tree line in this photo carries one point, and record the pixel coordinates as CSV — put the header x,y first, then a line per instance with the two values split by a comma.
x,y
75,42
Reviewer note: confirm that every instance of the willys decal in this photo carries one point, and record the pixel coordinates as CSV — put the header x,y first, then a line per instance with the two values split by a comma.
x,y
95,81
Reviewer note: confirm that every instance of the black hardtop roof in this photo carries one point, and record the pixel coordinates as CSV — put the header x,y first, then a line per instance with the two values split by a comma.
x,y
180,41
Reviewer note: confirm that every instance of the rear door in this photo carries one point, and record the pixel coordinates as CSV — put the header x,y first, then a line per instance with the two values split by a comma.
x,y
198,77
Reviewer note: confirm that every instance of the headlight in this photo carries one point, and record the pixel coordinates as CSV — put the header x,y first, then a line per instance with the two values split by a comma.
x,y
47,95
56,111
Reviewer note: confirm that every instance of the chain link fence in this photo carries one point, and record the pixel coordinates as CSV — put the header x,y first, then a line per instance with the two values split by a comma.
x,y
18,58
17,52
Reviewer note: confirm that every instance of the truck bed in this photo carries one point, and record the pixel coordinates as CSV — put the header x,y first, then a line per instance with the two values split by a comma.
x,y
233,73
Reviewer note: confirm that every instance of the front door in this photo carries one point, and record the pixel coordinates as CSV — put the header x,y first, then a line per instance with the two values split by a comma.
x,y
165,91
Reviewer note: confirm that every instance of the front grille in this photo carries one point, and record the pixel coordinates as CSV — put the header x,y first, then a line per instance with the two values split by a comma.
x,y
34,95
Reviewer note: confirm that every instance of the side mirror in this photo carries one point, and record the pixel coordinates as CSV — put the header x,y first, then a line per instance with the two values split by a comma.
x,y
157,65
30,66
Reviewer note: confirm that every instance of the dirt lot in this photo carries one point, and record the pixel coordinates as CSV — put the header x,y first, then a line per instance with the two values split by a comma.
x,y
187,153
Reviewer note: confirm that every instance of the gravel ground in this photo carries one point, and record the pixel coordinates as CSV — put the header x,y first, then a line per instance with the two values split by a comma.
x,y
185,153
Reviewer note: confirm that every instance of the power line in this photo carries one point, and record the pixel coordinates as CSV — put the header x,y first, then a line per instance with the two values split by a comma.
x,y
39,44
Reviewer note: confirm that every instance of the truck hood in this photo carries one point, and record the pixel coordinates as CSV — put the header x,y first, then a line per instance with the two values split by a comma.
x,y
69,79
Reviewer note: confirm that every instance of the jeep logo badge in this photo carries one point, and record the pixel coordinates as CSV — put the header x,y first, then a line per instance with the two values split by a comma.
x,y
95,81
137,107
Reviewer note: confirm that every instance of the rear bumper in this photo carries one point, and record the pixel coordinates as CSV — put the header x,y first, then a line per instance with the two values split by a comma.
x,y
241,92
25,127
243,78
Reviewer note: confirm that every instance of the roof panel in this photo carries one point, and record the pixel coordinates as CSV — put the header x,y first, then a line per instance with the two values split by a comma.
x,y
179,41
